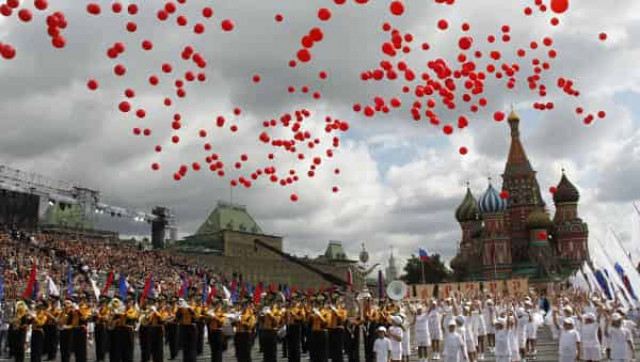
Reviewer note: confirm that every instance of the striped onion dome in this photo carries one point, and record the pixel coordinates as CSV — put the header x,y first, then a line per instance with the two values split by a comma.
x,y
468,209
565,191
491,202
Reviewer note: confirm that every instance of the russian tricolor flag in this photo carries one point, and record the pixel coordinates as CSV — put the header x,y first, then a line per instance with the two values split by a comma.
x,y
424,256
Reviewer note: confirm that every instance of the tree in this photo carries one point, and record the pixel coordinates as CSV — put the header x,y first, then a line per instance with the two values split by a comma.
x,y
434,270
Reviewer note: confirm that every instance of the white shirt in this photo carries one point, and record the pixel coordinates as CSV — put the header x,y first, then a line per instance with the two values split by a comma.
x,y
619,339
455,349
396,346
503,343
381,348
589,335
568,348
422,325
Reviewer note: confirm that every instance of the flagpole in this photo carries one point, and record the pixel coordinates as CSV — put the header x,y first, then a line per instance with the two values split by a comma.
x,y
424,280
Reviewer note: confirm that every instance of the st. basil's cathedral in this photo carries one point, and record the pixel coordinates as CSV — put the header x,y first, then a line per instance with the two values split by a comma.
x,y
509,234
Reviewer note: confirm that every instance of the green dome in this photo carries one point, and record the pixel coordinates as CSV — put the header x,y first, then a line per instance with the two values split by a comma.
x,y
468,209
538,219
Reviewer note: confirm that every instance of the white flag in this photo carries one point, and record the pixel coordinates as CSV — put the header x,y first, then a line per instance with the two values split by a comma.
x,y
52,288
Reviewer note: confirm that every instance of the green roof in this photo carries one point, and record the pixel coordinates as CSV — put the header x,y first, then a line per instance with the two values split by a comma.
x,y
334,251
228,216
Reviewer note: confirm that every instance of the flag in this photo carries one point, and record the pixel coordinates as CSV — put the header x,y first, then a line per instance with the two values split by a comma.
x,y
69,281
257,295
36,290
184,287
625,280
204,289
286,292
604,285
225,291
213,292
424,256
96,291
380,284
122,287
52,288
30,284
148,289
107,285
1,287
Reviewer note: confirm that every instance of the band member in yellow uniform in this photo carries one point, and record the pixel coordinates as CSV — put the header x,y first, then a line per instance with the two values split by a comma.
x,y
296,318
270,323
318,320
336,330
186,330
371,317
172,329
245,327
143,331
101,320
215,319
19,326
51,329
153,320
116,312
200,310
65,330
73,333
37,333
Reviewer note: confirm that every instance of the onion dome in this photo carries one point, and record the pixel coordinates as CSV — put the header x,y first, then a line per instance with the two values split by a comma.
x,y
468,209
565,191
491,202
538,219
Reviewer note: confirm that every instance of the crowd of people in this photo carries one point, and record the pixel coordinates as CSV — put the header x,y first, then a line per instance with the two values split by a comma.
x,y
322,326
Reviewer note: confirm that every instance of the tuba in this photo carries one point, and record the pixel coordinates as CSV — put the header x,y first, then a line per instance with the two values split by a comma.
x,y
397,290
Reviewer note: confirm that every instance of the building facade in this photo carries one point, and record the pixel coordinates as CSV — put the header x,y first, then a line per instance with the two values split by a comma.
x,y
226,241
509,233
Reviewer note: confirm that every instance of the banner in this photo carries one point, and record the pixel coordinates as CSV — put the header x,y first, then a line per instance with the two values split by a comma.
x,y
470,289
424,291
494,287
447,290
518,286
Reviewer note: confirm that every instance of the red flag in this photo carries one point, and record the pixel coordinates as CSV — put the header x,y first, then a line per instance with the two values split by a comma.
x,y
32,280
105,291
273,288
147,288
350,279
257,294
213,292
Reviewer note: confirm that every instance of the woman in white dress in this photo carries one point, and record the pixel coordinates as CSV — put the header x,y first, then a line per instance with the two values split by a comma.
x,y
406,338
435,328
489,314
421,329
591,347
467,336
396,334
512,326
480,328
502,341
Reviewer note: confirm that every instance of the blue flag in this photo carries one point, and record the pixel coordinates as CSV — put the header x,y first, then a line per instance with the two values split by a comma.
x,y
424,256
36,290
287,292
1,287
69,281
204,290
122,287
604,285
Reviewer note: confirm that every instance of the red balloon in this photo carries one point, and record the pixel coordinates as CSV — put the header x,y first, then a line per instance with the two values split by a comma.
x,y
119,70
198,28
602,114
25,15
41,4
552,190
396,7
124,106
504,194
463,150
155,166
146,132
304,55
448,129
158,148
129,93
132,9
166,67
59,42
153,80
498,116
7,51
132,27
182,20
207,12
324,14
147,45
443,24
602,36
294,197
140,113
227,25
92,84
559,6
116,7
465,42
279,18
256,78
93,9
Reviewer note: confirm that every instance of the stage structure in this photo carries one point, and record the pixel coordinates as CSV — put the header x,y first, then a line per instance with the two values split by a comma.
x,y
29,200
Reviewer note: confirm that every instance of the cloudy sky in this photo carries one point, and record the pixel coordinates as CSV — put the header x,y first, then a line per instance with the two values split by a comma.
x,y
400,180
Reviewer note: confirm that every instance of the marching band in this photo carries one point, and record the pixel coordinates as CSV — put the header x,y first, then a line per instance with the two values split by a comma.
x,y
452,329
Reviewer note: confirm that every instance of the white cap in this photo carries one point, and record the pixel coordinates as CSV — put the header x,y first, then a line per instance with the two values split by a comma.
x,y
460,319
396,319
500,321
590,315
568,309
568,321
451,323
382,329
